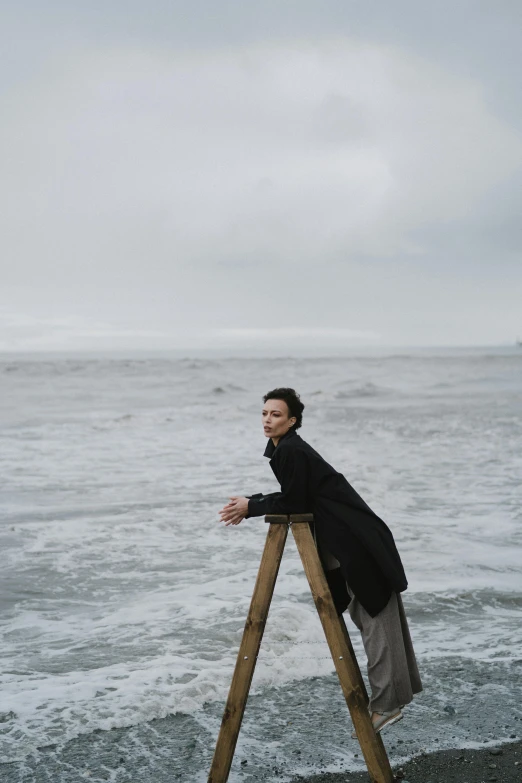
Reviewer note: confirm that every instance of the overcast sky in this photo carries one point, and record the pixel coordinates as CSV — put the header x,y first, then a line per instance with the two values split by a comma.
x,y
267,175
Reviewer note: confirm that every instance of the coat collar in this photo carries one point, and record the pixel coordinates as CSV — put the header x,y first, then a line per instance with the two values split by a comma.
x,y
270,448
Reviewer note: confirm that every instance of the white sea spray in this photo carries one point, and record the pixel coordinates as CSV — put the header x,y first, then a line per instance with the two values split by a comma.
x,y
123,597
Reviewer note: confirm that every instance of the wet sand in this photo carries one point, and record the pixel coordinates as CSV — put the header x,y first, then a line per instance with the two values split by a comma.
x,y
305,737
502,764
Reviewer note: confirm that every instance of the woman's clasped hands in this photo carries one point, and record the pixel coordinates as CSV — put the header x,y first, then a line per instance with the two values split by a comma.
x,y
234,511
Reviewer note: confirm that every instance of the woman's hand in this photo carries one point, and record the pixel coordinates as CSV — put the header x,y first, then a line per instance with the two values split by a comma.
x,y
235,511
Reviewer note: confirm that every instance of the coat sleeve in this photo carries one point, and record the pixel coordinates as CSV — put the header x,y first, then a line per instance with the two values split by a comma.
x,y
257,498
292,467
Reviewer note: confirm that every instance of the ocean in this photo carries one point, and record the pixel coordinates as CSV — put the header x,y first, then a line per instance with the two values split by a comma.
x,y
123,597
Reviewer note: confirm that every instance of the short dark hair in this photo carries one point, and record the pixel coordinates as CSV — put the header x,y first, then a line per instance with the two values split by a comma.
x,y
292,399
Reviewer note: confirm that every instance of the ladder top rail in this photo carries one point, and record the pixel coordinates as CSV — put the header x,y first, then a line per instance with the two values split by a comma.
x,y
288,519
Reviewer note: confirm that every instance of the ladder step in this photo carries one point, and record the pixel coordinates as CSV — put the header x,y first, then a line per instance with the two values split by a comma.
x,y
285,519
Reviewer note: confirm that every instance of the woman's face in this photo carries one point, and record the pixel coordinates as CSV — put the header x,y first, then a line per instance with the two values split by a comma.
x,y
276,418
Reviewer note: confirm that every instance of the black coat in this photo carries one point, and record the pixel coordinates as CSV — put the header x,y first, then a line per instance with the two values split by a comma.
x,y
345,525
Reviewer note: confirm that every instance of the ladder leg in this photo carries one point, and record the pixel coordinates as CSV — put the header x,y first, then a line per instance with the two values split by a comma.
x,y
357,670
248,651
343,656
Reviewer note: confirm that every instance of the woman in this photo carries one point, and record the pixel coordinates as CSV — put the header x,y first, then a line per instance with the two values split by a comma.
x,y
357,549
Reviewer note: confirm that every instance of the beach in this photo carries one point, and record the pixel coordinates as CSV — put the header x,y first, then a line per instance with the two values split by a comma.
x,y
123,598
502,764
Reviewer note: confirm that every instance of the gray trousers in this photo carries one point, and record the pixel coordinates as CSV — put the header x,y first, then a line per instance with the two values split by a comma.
x,y
392,666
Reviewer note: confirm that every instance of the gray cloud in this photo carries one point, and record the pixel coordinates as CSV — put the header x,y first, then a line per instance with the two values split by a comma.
x,y
348,181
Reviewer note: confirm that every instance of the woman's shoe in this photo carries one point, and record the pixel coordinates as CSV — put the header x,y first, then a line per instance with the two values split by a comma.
x,y
384,719
387,719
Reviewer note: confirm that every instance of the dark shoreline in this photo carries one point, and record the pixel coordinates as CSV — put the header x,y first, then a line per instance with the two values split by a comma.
x,y
502,763
298,731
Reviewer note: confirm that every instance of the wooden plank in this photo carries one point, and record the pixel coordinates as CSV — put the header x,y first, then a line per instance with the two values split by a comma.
x,y
357,670
288,518
248,652
277,519
343,657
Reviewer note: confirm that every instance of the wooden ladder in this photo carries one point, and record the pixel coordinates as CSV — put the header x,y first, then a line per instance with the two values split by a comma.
x,y
337,636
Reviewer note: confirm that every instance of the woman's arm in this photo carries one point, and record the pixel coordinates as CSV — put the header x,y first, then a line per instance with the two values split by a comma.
x,y
292,467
